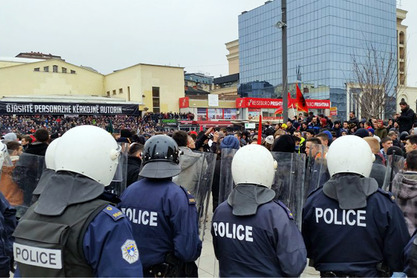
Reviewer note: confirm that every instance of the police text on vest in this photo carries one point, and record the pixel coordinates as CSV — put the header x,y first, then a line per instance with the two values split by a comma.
x,y
42,257
341,217
143,217
233,231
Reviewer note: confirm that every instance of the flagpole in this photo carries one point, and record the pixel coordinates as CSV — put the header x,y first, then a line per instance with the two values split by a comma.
x,y
260,130
293,110
284,59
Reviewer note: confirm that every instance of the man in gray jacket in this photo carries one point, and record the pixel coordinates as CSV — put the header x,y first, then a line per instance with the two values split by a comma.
x,y
405,188
190,162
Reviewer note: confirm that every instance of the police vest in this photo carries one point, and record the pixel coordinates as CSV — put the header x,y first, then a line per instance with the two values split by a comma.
x,y
52,246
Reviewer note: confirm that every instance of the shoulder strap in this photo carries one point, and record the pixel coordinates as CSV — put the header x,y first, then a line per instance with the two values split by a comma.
x,y
286,209
86,224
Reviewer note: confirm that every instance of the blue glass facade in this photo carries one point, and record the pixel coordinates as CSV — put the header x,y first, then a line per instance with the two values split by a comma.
x,y
322,36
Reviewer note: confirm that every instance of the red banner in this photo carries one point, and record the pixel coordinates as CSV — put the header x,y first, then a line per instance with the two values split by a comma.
x,y
184,102
318,103
276,103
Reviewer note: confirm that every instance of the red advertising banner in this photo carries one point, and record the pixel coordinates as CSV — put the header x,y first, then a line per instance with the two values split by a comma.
x,y
275,103
318,103
184,102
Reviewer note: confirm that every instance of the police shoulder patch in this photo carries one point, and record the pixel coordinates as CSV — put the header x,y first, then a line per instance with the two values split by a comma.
x,y
113,212
287,210
130,252
190,197
387,194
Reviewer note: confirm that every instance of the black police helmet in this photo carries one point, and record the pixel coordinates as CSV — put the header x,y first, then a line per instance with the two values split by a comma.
x,y
160,158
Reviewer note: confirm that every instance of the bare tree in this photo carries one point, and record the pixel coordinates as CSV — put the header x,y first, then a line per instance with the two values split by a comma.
x,y
375,82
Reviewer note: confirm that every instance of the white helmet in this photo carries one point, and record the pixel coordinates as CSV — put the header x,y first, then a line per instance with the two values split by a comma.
x,y
50,155
89,151
350,154
253,164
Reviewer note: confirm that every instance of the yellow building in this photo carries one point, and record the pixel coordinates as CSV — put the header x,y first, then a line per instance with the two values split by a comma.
x,y
233,56
402,47
155,88
227,85
151,87
409,94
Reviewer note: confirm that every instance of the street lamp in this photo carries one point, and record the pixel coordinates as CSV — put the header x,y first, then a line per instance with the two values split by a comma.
x,y
282,24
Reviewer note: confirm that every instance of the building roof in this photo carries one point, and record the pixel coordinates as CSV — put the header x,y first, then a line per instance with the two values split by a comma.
x,y
227,79
38,55
190,91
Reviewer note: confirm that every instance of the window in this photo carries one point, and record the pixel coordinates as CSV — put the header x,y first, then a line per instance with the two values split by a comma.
x,y
55,68
155,100
64,70
72,71
36,69
128,93
120,91
114,92
108,93
46,69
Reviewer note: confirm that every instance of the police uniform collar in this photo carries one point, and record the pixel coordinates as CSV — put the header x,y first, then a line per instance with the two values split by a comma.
x,y
246,198
64,189
351,191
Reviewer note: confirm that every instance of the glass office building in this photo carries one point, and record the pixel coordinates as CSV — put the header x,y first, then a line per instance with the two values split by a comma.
x,y
322,38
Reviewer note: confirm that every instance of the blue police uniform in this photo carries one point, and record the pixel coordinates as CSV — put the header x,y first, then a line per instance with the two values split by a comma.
x,y
266,244
164,220
109,247
7,225
353,242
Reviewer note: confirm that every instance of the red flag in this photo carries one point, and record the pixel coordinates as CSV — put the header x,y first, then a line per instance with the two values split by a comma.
x,y
300,101
278,111
260,130
291,104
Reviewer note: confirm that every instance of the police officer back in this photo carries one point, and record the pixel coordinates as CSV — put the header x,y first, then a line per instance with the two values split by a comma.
x,y
163,215
7,222
72,230
350,226
253,235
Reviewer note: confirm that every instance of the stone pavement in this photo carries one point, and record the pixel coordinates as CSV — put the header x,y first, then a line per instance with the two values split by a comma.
x,y
209,267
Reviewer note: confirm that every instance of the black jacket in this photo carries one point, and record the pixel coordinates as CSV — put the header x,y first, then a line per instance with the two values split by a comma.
x,y
354,120
133,169
406,119
37,148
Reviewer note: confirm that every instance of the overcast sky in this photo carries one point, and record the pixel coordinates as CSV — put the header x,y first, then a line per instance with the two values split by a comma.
x,y
114,34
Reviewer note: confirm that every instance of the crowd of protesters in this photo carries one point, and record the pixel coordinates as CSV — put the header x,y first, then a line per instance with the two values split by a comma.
x,y
301,128
25,124
304,134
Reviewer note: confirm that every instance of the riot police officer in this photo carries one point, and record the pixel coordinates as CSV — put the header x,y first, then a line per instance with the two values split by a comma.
x,y
7,221
350,226
253,235
163,215
72,230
